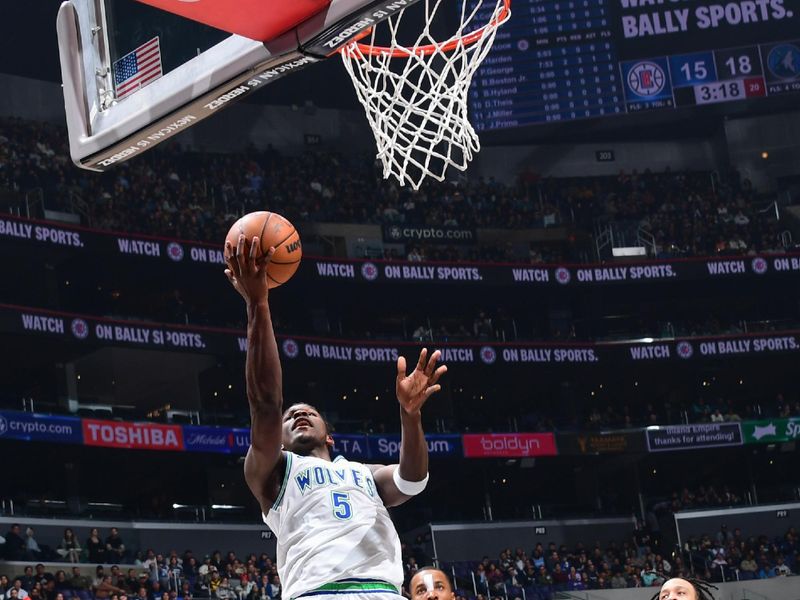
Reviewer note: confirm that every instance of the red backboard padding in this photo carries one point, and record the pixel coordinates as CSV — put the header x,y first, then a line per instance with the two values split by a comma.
x,y
261,20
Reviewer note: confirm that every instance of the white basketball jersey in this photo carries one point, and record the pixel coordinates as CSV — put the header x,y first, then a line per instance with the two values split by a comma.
x,y
331,524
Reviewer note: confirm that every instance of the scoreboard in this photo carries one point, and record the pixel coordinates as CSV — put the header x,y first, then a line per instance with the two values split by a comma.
x,y
559,60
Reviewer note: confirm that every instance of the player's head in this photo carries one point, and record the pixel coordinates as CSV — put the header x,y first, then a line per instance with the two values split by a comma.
x,y
304,429
678,588
430,583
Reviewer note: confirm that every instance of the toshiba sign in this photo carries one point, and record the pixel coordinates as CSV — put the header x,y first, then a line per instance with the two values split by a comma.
x,y
509,445
143,436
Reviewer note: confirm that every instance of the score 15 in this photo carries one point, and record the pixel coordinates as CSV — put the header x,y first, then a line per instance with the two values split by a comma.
x,y
692,69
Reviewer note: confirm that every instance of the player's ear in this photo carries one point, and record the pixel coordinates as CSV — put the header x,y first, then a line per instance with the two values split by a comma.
x,y
329,441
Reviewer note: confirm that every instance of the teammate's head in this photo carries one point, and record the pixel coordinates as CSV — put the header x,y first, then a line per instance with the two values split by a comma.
x,y
678,588
304,429
430,583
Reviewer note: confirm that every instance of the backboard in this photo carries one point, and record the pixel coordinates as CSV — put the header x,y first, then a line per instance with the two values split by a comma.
x,y
135,74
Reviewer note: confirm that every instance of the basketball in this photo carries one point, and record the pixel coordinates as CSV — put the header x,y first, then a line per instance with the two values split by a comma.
x,y
272,230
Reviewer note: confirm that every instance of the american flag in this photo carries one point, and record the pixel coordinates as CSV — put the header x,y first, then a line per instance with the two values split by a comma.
x,y
138,68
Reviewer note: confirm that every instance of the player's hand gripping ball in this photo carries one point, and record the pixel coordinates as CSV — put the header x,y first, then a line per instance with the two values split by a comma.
x,y
271,230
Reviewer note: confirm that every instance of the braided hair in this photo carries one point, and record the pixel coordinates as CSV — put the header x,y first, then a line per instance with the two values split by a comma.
x,y
702,589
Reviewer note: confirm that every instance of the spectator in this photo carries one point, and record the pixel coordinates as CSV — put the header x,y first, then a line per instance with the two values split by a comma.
x,y
95,548
69,549
80,584
61,585
15,545
748,566
32,549
42,576
21,593
618,581
560,578
543,578
482,327
115,548
274,588
28,578
214,581
224,590
175,573
781,569
186,592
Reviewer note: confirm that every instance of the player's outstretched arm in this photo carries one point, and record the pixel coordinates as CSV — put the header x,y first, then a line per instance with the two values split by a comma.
x,y
398,483
264,462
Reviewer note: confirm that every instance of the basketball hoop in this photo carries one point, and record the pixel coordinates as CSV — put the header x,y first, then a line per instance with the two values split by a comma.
x,y
415,95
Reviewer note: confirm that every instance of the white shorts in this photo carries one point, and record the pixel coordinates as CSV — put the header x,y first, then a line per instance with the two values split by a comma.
x,y
353,589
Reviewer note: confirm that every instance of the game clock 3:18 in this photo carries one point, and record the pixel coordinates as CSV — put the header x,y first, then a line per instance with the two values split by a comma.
x,y
720,91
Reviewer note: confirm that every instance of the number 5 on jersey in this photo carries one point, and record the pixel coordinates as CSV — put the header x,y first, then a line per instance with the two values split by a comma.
x,y
341,505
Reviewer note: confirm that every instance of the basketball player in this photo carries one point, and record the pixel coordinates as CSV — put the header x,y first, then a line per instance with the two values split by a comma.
x,y
334,533
678,588
430,583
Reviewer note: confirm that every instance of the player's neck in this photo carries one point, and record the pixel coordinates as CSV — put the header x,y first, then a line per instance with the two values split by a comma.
x,y
321,452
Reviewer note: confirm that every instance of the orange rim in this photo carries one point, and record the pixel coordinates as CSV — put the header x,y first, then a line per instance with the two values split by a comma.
x,y
470,38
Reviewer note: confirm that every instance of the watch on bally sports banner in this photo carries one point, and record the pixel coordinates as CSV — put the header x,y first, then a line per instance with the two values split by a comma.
x,y
650,28
62,238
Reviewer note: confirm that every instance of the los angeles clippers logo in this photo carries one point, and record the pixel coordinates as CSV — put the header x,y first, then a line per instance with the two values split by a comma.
x,y
290,348
79,328
175,251
684,349
646,79
369,271
488,355
759,265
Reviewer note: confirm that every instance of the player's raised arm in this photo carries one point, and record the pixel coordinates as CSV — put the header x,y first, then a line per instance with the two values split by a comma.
x,y
263,465
398,483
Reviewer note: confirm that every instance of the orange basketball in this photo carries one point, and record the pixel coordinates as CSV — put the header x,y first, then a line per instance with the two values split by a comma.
x,y
271,230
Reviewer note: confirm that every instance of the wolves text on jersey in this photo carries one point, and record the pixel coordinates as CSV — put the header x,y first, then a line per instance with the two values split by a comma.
x,y
318,477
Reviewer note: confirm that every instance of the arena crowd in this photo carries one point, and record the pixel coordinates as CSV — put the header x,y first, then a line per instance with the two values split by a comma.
x,y
192,195
639,561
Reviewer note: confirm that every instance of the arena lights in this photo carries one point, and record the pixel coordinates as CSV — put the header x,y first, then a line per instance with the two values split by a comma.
x,y
226,507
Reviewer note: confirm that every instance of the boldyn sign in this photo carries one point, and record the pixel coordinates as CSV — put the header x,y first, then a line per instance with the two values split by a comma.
x,y
508,445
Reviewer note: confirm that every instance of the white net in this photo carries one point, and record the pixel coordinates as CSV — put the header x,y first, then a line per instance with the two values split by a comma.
x,y
415,96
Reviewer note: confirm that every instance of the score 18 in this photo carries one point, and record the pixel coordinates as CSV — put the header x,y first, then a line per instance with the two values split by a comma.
x,y
738,63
